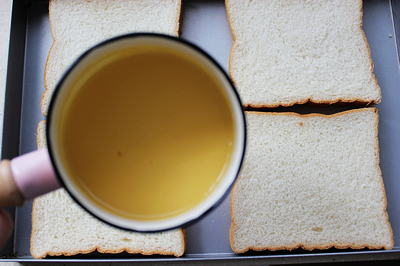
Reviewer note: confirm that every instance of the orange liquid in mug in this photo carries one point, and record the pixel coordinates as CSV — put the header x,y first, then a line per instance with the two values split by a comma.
x,y
147,136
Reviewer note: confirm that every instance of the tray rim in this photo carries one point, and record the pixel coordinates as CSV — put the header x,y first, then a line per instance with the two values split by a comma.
x,y
351,256
342,256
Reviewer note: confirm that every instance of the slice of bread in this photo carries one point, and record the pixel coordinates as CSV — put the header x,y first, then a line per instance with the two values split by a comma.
x,y
62,227
78,25
288,52
312,182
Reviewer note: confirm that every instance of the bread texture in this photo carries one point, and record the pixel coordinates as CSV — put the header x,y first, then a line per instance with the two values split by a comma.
x,y
288,52
62,227
78,25
59,225
311,182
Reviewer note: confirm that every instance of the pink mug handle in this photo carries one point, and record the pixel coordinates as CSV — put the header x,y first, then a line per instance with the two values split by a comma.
x,y
34,174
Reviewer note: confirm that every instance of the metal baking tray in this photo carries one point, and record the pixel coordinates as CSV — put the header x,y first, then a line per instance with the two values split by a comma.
x,y
204,23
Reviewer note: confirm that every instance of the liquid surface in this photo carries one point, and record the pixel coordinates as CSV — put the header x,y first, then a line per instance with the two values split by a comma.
x,y
147,136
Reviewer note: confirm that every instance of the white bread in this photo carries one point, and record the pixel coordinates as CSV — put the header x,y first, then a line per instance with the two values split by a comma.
x,y
312,182
78,25
288,52
62,227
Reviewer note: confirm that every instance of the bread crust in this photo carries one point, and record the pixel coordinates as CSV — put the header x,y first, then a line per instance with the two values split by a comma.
x,y
332,244
179,20
233,33
46,85
311,101
360,3
33,218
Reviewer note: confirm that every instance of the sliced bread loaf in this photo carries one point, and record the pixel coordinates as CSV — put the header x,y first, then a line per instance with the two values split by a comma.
x,y
312,182
78,25
288,52
62,227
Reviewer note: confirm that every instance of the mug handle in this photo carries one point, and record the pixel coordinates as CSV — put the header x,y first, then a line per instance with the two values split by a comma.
x,y
26,177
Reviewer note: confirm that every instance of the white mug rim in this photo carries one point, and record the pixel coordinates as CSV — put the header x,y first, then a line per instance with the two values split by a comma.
x,y
163,224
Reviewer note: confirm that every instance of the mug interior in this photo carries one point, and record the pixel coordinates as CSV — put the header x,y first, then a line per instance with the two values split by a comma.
x,y
103,53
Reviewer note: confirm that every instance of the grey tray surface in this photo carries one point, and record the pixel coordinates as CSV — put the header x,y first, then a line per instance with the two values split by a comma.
x,y
203,23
